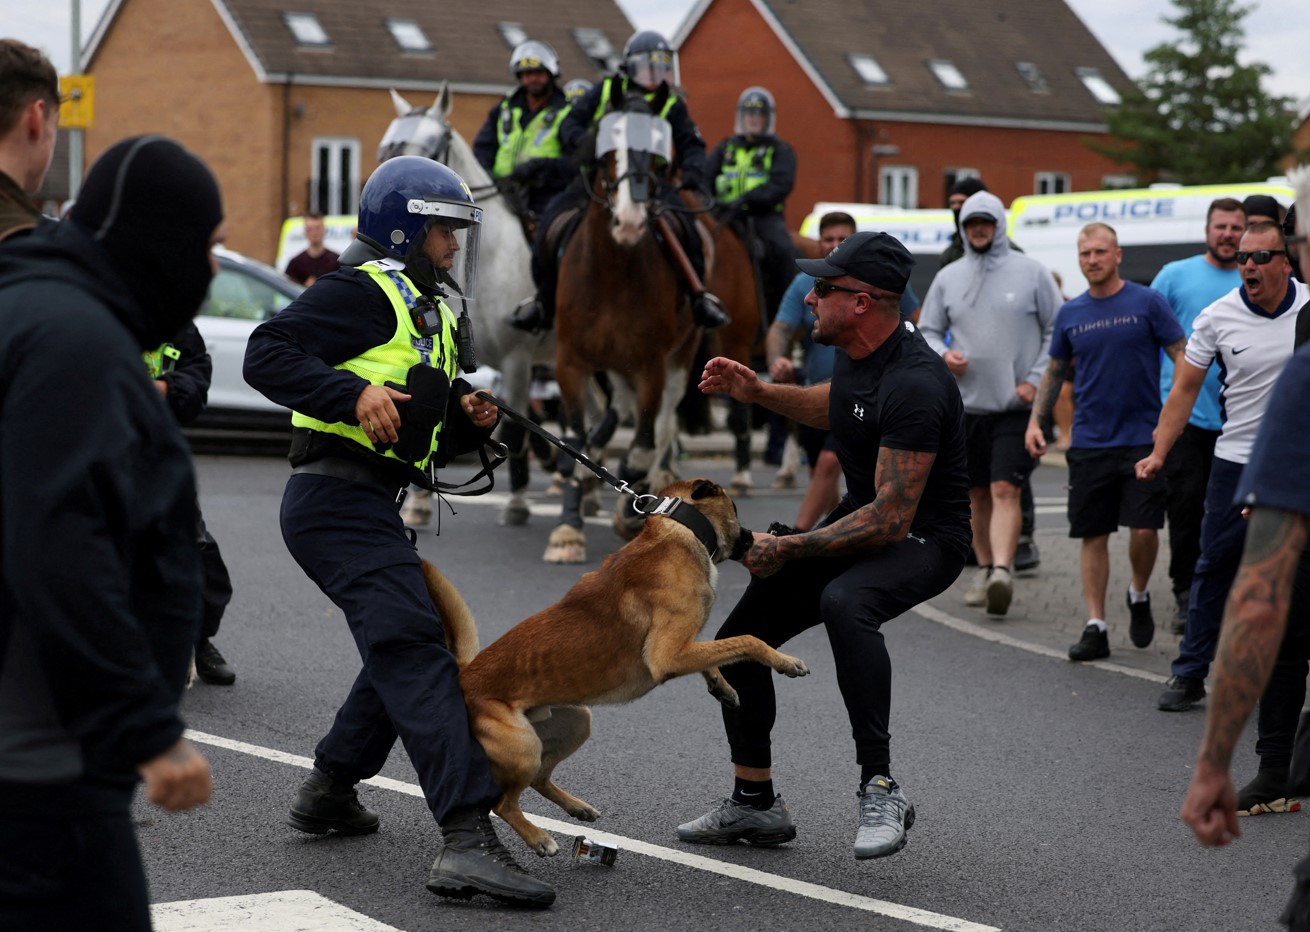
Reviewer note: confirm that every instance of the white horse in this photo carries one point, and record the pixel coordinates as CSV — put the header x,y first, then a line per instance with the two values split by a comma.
x,y
503,269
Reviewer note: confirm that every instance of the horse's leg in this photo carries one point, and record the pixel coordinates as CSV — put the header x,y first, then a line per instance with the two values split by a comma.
x,y
739,422
637,462
568,542
666,428
517,372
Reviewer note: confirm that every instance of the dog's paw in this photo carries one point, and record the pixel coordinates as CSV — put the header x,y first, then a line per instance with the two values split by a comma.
x,y
546,847
721,691
584,812
792,666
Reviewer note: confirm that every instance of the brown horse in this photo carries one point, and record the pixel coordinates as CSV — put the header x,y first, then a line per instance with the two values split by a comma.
x,y
622,308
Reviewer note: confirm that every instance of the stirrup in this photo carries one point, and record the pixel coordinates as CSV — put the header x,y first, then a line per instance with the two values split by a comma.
x,y
708,312
530,316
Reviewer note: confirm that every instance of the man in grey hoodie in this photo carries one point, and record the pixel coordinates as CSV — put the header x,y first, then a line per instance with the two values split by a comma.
x,y
999,308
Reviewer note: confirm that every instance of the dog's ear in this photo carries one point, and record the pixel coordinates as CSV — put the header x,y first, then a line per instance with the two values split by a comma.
x,y
703,488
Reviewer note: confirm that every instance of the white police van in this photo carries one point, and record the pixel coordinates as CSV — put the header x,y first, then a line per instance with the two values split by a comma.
x,y
338,233
925,233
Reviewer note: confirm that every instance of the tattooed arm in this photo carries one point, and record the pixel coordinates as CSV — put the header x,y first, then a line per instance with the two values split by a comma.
x,y
900,479
1056,374
1254,620
1175,350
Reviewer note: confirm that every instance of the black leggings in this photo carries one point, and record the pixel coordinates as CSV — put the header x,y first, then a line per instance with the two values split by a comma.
x,y
851,597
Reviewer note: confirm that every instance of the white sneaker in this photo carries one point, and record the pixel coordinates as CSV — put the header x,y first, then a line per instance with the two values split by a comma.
x,y
976,594
999,591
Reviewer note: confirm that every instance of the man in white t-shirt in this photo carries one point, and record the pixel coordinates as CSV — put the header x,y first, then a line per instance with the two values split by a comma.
x,y
1250,331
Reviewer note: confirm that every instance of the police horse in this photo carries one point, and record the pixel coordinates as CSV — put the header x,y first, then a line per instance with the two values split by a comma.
x,y
503,266
623,308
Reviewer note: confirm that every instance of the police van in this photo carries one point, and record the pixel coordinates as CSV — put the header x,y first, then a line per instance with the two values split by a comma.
x,y
338,233
1155,225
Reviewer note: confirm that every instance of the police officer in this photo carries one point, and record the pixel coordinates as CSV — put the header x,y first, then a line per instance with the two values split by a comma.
x,y
576,89
650,64
520,137
753,173
182,371
366,360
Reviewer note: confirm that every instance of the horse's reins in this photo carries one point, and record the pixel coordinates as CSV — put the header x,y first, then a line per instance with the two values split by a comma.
x,y
643,502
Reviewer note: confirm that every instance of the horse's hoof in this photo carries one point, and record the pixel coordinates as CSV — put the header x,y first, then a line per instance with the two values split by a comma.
x,y
566,545
556,487
784,481
516,514
741,490
590,506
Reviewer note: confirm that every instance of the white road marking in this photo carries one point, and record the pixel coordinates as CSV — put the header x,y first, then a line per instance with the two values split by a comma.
x,y
975,630
921,917
282,911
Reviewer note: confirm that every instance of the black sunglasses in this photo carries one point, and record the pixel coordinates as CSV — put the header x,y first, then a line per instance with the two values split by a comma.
x,y
822,289
1259,256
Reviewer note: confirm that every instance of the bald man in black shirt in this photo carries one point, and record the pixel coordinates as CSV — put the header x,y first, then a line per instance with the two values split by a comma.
x,y
899,537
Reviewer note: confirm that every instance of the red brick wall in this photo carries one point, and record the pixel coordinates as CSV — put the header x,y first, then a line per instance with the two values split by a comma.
x,y
732,48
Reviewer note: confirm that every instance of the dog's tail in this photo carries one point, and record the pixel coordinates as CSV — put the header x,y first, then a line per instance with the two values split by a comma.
x,y
456,618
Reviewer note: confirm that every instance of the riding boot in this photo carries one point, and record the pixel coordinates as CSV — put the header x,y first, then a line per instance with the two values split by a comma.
x,y
474,861
707,311
532,316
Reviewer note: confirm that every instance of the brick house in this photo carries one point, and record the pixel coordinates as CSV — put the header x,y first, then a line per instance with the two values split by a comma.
x,y
891,104
287,101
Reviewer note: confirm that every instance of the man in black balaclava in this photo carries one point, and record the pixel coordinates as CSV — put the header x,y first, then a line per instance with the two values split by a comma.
x,y
99,570
960,192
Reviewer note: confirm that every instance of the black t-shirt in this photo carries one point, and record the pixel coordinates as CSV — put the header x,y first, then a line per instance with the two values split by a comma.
x,y
902,396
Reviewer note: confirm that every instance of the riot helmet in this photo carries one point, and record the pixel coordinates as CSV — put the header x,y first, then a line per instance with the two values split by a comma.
x,y
649,60
576,89
756,101
533,55
402,200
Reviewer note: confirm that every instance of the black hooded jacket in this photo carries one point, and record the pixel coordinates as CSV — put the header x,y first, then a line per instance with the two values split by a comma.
x,y
99,568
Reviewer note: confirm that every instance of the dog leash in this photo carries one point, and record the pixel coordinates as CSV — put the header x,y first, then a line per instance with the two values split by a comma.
x,y
643,502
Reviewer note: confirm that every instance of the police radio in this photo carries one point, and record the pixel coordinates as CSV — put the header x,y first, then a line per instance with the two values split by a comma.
x,y
466,354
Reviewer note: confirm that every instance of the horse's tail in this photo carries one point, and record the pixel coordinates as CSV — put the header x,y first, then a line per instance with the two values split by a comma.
x,y
456,618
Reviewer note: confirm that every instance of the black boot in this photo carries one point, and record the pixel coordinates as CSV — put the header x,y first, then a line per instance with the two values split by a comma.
x,y
531,316
323,803
707,311
474,861
211,667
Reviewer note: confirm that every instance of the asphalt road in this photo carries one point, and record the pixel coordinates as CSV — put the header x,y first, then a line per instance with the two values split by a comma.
x,y
1047,793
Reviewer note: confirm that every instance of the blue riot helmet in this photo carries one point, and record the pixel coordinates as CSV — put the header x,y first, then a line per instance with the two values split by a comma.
x,y
404,198
576,89
756,101
649,60
531,56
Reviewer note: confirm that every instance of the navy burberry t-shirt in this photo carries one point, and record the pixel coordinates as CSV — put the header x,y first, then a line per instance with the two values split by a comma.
x,y
902,396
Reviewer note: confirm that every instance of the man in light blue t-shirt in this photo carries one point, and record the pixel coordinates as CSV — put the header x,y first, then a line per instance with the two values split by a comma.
x,y
1190,286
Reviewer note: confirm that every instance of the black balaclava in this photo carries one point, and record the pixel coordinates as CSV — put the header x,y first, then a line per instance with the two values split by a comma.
x,y
968,187
153,207
1293,254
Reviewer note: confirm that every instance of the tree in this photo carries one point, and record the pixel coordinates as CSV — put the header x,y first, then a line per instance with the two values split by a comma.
x,y
1198,116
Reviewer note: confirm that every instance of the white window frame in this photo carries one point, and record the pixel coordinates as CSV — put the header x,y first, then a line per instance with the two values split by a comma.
x,y
950,76
1098,87
306,29
408,35
513,33
898,186
342,195
1052,183
867,67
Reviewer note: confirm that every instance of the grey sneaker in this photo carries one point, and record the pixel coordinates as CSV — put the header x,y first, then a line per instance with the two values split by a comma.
x,y
885,818
732,822
976,594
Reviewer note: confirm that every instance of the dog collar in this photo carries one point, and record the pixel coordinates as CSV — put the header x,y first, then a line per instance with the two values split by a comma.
x,y
690,518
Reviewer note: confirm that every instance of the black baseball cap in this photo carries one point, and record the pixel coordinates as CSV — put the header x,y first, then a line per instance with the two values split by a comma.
x,y
876,258
1261,205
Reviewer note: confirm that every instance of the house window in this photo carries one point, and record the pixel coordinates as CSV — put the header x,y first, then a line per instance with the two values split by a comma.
x,y
596,47
870,72
1052,183
1032,76
334,176
1097,86
898,186
513,33
408,35
958,174
306,28
948,74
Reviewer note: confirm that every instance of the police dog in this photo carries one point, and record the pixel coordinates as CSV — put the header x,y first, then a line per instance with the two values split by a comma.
x,y
622,630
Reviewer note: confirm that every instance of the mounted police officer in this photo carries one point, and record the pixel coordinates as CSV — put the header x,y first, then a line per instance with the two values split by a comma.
x,y
366,359
520,138
753,173
649,68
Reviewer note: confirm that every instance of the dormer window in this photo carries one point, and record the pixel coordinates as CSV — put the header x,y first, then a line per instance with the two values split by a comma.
x,y
1032,76
306,28
1097,86
408,35
870,72
948,74
513,33
597,48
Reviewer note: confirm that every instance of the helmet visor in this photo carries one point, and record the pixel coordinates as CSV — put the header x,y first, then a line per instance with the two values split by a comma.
x,y
649,69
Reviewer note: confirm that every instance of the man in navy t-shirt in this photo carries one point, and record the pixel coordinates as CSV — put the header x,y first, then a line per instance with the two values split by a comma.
x,y
898,537
1109,338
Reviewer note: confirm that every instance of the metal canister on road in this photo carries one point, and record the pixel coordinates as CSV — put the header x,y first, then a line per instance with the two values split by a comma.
x,y
585,849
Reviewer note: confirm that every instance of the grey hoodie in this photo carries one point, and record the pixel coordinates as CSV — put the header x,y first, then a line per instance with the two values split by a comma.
x,y
999,307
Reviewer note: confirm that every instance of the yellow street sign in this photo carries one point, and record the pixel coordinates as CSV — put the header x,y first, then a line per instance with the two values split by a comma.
x,y
77,109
